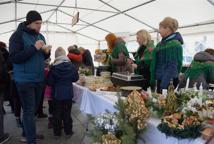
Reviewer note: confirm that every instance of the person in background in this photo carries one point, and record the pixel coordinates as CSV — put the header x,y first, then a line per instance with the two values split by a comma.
x,y
200,71
87,58
75,46
40,113
119,56
61,76
168,55
143,56
12,90
74,55
47,94
7,95
3,72
28,52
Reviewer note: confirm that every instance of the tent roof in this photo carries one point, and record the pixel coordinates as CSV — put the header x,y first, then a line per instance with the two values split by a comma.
x,y
99,17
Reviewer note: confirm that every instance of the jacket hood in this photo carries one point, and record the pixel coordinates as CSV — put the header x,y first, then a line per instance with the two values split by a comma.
x,y
173,36
203,56
63,70
22,27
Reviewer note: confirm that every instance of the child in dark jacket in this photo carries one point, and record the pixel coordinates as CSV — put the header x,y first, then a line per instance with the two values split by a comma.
x,y
61,76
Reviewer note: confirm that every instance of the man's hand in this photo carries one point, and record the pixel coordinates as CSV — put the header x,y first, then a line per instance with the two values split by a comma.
x,y
46,48
39,44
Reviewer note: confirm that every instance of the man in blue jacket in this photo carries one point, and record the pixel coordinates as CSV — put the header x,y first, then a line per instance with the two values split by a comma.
x,y
26,47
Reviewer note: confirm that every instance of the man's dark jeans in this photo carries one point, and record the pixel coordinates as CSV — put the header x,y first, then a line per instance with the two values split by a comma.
x,y
30,95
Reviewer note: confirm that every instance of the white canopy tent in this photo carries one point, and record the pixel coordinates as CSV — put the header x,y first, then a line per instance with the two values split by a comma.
x,y
99,17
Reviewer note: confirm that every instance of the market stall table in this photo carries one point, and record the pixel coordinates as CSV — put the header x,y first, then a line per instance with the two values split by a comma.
x,y
153,136
94,103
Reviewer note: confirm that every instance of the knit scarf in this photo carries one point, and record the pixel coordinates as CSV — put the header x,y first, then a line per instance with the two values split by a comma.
x,y
61,59
146,54
172,50
119,47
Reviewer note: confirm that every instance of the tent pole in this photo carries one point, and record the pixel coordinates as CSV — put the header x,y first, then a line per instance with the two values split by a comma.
x,y
55,10
15,14
113,15
99,44
74,31
99,48
82,8
158,37
5,22
86,23
8,2
121,12
47,34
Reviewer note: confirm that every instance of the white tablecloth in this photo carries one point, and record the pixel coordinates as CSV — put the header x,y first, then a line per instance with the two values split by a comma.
x,y
94,103
153,136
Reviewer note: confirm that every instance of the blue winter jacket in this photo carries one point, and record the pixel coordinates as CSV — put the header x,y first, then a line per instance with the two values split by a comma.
x,y
60,78
28,62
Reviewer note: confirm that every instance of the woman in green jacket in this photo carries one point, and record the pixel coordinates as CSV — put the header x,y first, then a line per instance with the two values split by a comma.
x,y
200,71
119,57
168,55
143,56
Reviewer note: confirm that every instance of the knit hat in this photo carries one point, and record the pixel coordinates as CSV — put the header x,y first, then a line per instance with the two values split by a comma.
x,y
32,16
170,23
111,38
60,52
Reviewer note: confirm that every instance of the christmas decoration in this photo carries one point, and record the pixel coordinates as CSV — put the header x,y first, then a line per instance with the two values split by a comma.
x,y
171,100
110,139
123,126
181,126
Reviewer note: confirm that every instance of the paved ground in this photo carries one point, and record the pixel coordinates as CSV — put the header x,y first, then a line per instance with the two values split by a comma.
x,y
79,121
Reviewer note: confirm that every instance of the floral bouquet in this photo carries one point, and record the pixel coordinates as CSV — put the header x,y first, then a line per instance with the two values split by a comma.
x,y
156,103
132,117
136,109
123,126
205,110
181,126
105,124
